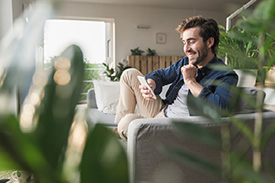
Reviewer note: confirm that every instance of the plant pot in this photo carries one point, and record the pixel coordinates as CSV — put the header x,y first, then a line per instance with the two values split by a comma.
x,y
270,76
247,77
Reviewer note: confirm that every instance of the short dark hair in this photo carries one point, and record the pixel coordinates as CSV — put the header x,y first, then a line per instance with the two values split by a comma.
x,y
208,28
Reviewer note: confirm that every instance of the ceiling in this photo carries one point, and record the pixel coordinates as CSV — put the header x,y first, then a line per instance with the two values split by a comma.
x,y
212,5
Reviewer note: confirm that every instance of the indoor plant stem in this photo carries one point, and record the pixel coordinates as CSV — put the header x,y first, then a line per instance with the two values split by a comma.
x,y
259,119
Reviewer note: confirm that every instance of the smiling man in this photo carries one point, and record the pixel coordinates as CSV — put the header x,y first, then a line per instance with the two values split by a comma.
x,y
192,75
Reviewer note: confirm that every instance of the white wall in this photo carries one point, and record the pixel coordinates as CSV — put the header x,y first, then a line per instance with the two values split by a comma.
x,y
127,18
17,8
6,19
9,11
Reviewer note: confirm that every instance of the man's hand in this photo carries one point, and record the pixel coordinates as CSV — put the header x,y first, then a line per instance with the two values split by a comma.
x,y
189,73
146,93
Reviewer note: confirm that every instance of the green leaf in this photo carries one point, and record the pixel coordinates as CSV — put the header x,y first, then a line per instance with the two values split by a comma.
x,y
56,112
267,134
10,157
204,108
19,150
242,170
243,128
265,10
104,158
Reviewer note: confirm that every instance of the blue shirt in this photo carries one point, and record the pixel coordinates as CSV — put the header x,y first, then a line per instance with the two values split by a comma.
x,y
216,83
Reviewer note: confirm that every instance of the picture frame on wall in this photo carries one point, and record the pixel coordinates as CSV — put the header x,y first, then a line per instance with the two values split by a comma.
x,y
160,38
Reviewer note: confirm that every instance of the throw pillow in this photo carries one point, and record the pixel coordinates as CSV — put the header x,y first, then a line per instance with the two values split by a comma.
x,y
246,100
107,95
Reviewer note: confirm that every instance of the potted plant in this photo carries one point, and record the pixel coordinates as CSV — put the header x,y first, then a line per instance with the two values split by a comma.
x,y
239,48
151,52
112,74
246,46
136,51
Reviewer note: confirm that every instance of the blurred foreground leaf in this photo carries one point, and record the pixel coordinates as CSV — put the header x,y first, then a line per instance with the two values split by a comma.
x,y
56,111
104,159
20,151
18,48
200,107
242,170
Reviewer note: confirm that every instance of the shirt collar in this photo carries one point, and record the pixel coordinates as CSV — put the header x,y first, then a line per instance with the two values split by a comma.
x,y
205,69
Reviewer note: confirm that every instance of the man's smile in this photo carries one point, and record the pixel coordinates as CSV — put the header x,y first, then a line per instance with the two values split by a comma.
x,y
191,53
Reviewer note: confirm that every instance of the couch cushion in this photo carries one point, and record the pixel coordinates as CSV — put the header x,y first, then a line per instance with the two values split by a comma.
x,y
246,100
91,103
95,116
107,95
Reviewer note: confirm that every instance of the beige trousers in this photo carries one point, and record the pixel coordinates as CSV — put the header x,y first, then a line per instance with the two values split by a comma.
x,y
130,97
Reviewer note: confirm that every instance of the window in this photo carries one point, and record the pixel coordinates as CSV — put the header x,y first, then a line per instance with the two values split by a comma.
x,y
94,37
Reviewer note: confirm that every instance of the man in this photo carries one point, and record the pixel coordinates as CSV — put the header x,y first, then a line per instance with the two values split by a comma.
x,y
192,75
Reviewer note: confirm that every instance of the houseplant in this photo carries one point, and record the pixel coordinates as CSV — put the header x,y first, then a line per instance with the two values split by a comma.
x,y
112,74
46,138
239,48
136,51
151,52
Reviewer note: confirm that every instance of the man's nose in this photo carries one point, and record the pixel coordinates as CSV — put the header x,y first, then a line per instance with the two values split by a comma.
x,y
186,47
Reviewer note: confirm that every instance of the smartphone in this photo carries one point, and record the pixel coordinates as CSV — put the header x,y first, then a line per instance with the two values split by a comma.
x,y
143,81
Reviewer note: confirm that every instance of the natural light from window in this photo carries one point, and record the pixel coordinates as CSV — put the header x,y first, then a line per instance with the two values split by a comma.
x,y
90,36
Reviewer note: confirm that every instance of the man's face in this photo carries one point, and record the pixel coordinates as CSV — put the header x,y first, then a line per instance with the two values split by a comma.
x,y
193,46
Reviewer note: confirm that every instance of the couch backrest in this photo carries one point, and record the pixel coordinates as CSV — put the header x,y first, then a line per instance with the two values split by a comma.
x,y
245,100
244,103
91,101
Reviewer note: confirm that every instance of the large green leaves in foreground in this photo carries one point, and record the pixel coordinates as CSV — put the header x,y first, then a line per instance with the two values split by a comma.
x,y
39,139
56,112
46,120
18,150
42,148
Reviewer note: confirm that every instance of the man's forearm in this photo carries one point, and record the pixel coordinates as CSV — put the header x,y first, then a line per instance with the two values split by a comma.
x,y
194,87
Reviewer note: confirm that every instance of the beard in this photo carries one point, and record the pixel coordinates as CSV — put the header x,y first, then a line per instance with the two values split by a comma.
x,y
202,54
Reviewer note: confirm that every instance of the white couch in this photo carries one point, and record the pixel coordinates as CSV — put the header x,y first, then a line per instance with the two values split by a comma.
x,y
146,138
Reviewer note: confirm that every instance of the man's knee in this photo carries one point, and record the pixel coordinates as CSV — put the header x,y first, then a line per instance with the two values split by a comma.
x,y
129,73
124,123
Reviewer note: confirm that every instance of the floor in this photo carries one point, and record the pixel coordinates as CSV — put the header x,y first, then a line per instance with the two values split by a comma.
x,y
5,174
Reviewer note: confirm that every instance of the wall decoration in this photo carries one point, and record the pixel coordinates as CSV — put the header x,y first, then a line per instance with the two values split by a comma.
x,y
161,38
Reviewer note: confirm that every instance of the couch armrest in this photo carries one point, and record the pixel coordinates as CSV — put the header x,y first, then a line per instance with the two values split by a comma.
x,y
148,164
91,101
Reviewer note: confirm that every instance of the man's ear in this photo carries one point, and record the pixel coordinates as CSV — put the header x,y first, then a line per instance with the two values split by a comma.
x,y
210,42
